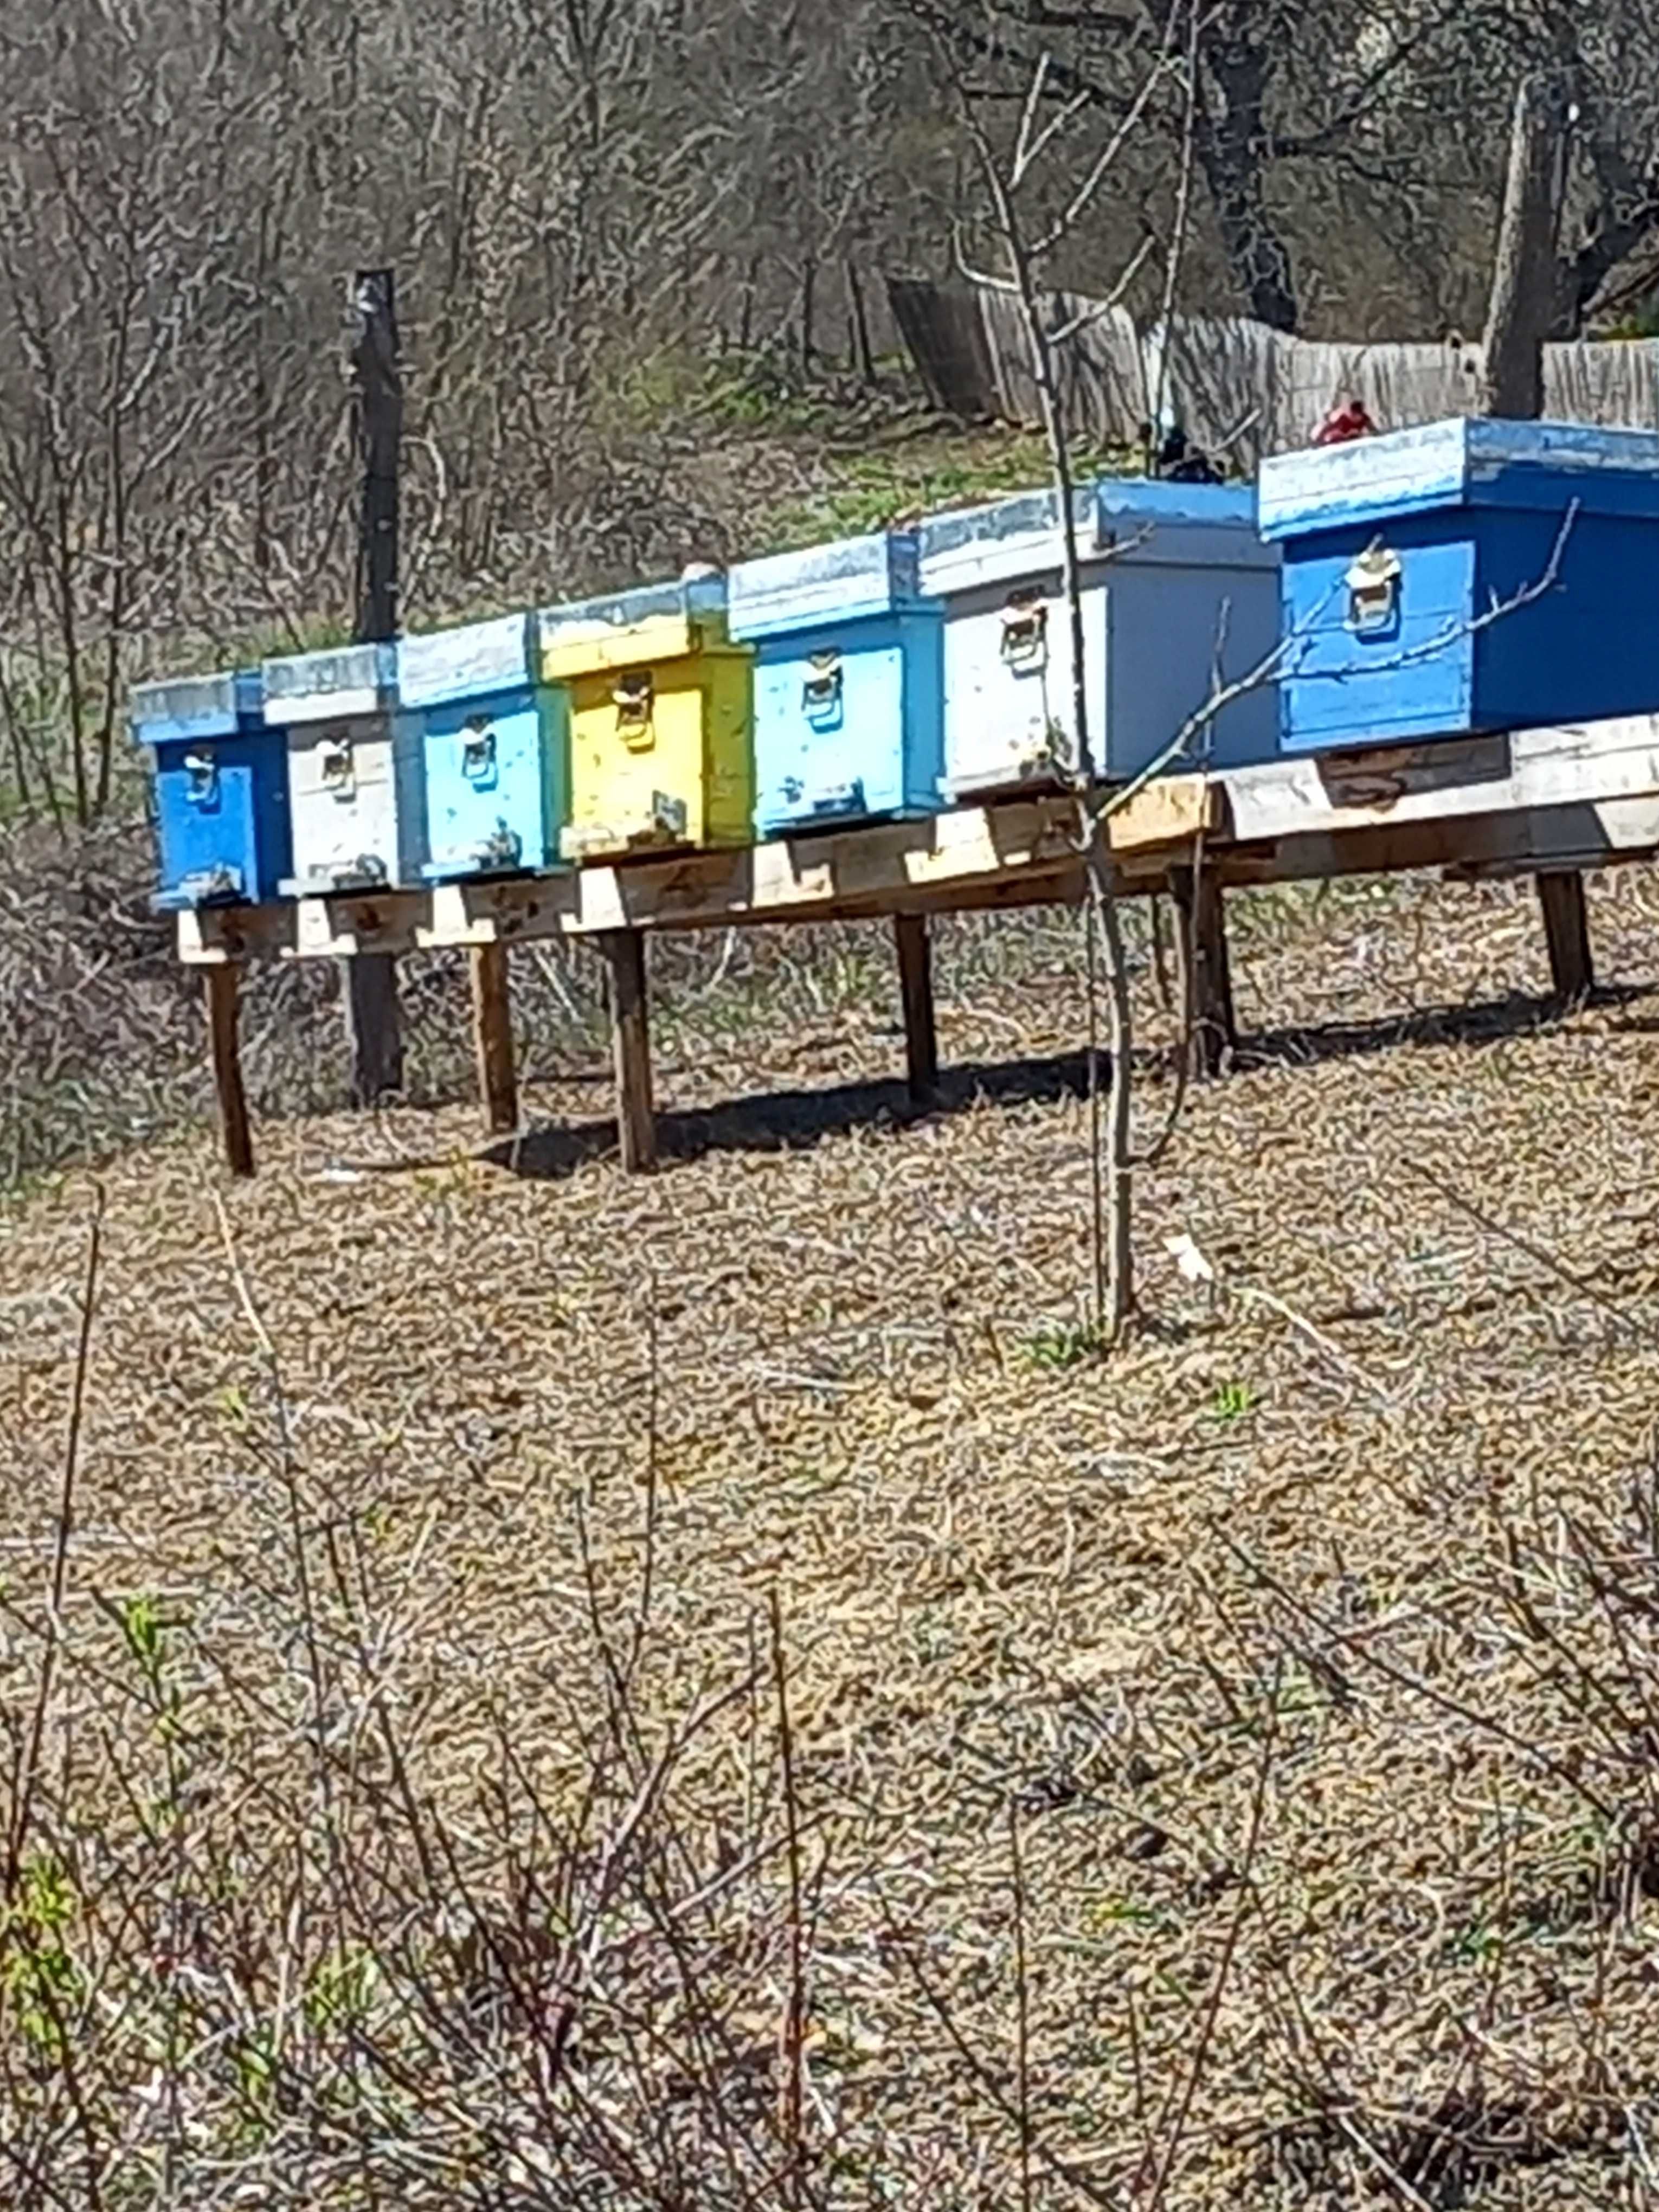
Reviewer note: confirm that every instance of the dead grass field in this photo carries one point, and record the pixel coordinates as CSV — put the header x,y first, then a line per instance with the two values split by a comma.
x,y
1223,1774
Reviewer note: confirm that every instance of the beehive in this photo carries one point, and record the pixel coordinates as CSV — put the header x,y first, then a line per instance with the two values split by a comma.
x,y
849,678
221,790
353,770
494,744
1009,715
1174,581
1429,589
661,702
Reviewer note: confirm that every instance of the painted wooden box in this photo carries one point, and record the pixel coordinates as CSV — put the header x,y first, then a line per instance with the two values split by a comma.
x,y
1008,714
494,742
221,790
353,769
660,755
849,683
1469,575
1174,579
1192,606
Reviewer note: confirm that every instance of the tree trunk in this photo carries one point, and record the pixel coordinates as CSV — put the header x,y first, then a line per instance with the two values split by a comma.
x,y
1526,283
1523,284
864,358
806,339
1232,150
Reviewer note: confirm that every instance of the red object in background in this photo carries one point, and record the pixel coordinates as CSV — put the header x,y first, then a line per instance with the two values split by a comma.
x,y
1348,421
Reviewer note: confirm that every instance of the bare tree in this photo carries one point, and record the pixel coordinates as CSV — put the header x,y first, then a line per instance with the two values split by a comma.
x,y
1026,242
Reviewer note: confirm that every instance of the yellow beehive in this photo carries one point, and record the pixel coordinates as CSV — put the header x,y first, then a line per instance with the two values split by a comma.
x,y
661,713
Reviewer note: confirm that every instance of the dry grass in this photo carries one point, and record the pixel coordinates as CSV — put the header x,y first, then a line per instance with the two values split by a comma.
x,y
1224,1774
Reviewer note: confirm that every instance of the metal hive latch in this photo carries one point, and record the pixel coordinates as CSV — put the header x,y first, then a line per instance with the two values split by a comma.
x,y
478,752
669,816
821,692
201,773
1025,628
335,768
1373,584
635,698
500,849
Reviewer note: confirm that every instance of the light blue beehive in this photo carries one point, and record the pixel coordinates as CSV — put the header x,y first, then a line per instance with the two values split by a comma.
x,y
1398,549
495,747
221,790
849,680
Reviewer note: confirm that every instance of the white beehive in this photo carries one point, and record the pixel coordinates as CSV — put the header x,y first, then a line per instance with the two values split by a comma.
x,y
353,770
1178,595
1009,710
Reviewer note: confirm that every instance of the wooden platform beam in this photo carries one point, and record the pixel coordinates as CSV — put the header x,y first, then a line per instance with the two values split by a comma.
x,y
636,1113
492,1034
219,987
1207,985
915,966
1566,933
970,856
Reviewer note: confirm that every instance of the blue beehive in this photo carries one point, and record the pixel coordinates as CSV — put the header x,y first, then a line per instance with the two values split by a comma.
x,y
849,682
1398,549
495,745
1192,606
221,782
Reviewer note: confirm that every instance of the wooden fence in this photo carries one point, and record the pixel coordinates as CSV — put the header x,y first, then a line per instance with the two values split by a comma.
x,y
1240,388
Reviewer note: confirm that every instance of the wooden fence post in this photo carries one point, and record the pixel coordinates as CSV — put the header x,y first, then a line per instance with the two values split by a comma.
x,y
915,966
636,1114
219,988
1525,287
492,1023
1204,971
373,1030
1566,933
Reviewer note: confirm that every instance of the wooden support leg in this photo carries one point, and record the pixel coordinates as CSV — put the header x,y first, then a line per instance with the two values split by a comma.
x,y
220,985
1205,975
636,1117
1566,932
915,964
374,1034
492,1029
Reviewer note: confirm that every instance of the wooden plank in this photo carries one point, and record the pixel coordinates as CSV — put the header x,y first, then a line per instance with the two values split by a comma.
x,y
373,1032
1594,835
1207,984
636,1118
1447,778
219,987
915,965
492,1031
884,868
1566,933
